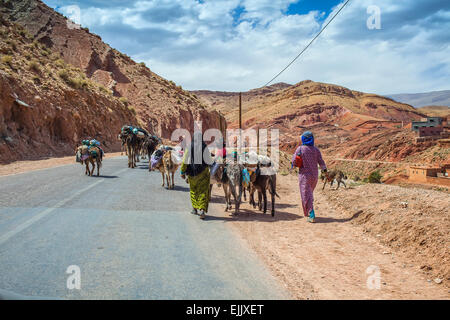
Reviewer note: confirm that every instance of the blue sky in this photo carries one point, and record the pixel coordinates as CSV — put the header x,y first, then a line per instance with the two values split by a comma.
x,y
237,45
305,6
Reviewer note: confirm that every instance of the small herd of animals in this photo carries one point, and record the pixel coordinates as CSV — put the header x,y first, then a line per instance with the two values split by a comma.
x,y
231,175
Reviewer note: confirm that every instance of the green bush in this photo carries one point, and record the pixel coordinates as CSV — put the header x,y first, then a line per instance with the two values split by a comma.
x,y
104,90
64,74
34,66
375,177
133,110
124,100
45,52
24,33
36,79
60,63
78,83
12,44
7,60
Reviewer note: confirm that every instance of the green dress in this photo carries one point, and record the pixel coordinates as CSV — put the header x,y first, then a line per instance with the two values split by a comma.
x,y
199,186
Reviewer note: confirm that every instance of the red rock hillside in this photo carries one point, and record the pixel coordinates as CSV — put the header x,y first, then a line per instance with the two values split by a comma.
x,y
160,105
47,106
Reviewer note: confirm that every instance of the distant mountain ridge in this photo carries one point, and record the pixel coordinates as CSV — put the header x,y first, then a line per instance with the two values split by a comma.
x,y
281,99
346,123
418,100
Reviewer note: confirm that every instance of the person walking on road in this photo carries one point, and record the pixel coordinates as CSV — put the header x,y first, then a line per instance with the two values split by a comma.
x,y
196,166
307,157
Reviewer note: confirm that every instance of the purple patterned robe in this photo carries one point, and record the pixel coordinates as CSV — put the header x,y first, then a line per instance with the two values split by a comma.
x,y
308,175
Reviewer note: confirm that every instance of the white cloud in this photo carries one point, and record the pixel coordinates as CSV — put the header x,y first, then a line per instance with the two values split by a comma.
x,y
201,45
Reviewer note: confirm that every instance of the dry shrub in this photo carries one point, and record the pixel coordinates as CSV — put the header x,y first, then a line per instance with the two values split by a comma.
x,y
124,100
132,109
34,66
6,59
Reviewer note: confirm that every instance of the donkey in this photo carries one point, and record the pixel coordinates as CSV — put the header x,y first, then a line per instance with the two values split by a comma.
x,y
159,166
234,177
221,179
88,155
149,146
169,167
123,138
132,145
263,183
330,176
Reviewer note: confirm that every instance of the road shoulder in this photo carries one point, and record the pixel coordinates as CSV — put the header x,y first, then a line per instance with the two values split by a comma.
x,y
332,259
19,167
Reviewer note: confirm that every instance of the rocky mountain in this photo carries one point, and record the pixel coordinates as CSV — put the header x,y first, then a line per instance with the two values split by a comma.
x,y
46,105
228,102
418,100
347,124
436,111
308,99
161,106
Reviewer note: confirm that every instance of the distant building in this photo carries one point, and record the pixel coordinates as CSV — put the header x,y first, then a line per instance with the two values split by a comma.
x,y
430,131
420,174
434,175
430,122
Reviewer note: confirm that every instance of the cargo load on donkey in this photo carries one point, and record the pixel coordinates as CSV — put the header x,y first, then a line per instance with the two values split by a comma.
x,y
156,157
134,130
92,147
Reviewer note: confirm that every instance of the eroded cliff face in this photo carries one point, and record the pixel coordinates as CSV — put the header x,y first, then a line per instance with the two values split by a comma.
x,y
47,106
160,105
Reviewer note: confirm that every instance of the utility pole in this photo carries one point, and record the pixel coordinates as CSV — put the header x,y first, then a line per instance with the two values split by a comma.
x,y
240,110
240,122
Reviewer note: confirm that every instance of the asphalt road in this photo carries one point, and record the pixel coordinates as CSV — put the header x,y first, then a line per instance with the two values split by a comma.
x,y
130,238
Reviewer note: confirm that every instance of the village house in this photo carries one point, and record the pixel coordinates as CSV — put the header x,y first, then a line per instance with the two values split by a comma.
x,y
439,175
430,122
431,129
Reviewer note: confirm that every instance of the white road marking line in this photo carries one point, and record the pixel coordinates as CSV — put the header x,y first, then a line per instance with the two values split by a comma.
x,y
47,211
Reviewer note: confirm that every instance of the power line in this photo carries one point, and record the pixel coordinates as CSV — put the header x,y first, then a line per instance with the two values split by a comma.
x,y
290,63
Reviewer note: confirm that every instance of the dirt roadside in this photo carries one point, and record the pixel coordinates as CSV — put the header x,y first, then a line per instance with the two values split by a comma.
x,y
331,259
33,165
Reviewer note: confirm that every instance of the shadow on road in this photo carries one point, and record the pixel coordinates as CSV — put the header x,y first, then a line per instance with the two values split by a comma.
x,y
255,215
285,205
180,188
105,177
331,220
216,199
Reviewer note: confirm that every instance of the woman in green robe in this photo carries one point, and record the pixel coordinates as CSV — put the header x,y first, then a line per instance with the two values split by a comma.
x,y
196,161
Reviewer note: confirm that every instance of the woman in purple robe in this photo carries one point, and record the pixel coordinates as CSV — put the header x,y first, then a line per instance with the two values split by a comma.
x,y
309,174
